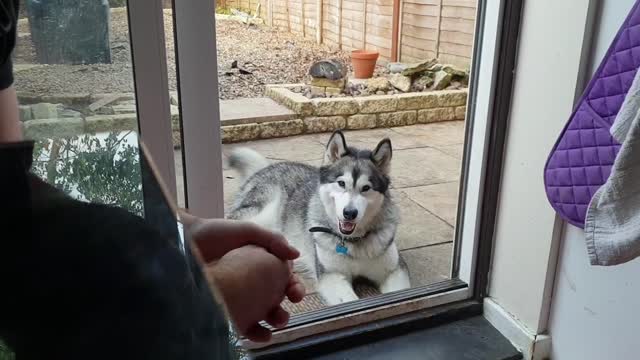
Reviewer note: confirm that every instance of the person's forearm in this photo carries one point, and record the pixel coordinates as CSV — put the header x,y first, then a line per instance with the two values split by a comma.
x,y
10,127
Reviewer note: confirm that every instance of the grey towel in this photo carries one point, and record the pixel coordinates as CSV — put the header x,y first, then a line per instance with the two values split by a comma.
x,y
612,224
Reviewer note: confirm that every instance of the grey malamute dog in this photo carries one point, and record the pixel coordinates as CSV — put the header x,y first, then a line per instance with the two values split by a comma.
x,y
340,215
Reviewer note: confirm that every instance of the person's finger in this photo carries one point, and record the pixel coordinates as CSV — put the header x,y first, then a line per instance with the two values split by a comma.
x,y
186,218
296,292
274,242
216,237
258,333
295,289
278,317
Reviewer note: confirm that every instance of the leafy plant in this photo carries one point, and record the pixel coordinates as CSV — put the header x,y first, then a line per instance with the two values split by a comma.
x,y
93,168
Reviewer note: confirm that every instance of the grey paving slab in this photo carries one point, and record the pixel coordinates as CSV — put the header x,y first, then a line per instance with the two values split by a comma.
x,y
423,166
295,148
452,150
433,135
417,226
439,199
428,265
253,110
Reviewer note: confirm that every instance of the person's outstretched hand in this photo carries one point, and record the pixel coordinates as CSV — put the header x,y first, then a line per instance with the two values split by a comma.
x,y
253,284
251,267
216,237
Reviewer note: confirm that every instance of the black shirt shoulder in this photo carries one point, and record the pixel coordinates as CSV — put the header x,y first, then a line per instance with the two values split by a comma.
x,y
8,26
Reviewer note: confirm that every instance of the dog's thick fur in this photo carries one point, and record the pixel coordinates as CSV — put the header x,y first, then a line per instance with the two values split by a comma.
x,y
347,198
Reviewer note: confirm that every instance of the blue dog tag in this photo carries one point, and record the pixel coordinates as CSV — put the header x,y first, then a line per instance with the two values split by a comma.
x,y
341,249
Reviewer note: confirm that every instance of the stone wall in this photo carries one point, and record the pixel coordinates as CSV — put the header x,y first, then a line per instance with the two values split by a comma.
x,y
76,114
366,112
66,115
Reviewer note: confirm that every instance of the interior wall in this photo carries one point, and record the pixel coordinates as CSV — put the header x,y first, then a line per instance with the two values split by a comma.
x,y
594,313
550,47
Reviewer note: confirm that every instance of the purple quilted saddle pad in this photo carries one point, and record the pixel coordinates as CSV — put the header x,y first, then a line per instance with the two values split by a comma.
x,y
582,158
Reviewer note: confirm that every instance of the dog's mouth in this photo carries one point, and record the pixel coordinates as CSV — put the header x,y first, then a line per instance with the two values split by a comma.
x,y
347,227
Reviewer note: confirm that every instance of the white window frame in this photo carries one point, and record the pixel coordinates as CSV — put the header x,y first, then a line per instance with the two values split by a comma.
x,y
194,27
149,64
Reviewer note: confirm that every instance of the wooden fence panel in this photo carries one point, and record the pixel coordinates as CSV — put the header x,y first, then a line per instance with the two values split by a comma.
x,y
419,34
456,32
428,28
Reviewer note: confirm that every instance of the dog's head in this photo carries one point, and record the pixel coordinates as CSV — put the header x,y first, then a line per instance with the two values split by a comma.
x,y
354,183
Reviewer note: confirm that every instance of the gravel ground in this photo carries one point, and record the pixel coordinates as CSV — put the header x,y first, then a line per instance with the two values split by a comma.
x,y
271,56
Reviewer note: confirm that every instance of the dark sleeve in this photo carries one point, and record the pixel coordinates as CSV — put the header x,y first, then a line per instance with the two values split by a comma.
x,y
90,281
8,25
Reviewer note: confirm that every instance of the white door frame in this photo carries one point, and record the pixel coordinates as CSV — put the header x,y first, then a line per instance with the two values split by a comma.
x,y
149,63
197,72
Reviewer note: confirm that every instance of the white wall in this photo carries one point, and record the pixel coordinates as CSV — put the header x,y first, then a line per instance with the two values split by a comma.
x,y
547,71
595,311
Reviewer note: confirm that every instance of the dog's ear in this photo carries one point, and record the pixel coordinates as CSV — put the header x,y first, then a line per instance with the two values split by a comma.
x,y
382,155
336,148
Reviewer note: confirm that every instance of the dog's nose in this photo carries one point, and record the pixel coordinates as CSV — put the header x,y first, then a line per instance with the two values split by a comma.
x,y
350,214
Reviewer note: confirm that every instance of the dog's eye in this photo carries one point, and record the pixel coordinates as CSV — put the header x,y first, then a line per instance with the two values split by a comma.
x,y
341,183
366,188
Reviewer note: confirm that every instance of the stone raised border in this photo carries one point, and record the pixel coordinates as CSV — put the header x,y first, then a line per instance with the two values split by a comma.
x,y
313,115
366,112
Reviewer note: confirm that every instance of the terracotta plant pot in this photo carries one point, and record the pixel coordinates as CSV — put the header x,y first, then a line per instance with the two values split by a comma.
x,y
364,62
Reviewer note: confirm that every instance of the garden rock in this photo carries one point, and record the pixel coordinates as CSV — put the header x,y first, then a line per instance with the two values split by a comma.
x,y
332,69
419,67
461,76
442,80
397,67
423,82
400,82
378,84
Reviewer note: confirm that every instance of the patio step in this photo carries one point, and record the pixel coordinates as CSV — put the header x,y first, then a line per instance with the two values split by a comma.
x,y
253,110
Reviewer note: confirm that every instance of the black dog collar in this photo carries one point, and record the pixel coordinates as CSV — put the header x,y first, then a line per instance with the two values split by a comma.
x,y
339,236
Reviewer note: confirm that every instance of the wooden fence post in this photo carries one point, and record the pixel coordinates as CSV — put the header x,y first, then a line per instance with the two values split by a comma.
x,y
439,30
288,17
304,25
340,24
319,15
364,27
395,30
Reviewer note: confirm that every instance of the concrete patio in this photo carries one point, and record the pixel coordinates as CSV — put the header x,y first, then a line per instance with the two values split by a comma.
x,y
425,175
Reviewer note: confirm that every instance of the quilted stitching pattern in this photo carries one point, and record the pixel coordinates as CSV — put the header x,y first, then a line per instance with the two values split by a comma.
x,y
581,160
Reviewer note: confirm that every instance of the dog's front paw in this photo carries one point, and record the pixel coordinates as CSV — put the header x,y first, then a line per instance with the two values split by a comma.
x,y
336,289
339,297
397,280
